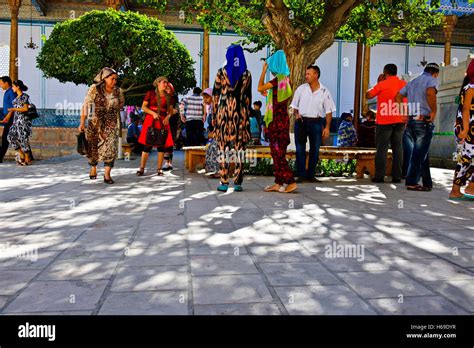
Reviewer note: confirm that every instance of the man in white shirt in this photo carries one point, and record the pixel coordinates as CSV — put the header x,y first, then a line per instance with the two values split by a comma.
x,y
313,107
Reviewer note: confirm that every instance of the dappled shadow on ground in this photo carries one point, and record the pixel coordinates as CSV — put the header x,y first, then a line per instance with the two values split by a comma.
x,y
249,252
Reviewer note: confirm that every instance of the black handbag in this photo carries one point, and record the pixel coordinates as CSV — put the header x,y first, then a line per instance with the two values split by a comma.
x,y
156,137
31,114
82,145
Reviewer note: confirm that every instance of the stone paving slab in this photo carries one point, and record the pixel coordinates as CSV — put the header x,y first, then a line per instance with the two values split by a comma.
x,y
11,281
150,278
146,303
378,284
298,273
206,265
174,245
46,296
230,289
238,309
435,305
324,299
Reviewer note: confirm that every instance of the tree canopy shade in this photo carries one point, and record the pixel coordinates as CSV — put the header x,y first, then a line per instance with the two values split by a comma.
x,y
137,46
304,29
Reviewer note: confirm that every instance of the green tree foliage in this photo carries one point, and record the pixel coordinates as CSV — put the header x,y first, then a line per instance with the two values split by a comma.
x,y
304,29
137,46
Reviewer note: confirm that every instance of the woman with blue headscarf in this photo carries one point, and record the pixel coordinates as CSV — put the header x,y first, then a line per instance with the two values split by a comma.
x,y
277,121
232,96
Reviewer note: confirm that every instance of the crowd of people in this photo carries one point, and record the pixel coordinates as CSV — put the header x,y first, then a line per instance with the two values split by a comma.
x,y
225,120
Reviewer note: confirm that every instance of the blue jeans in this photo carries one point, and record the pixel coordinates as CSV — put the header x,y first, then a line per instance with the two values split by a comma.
x,y
314,131
416,143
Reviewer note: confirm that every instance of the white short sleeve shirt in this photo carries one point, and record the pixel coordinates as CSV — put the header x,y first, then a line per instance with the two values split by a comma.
x,y
313,104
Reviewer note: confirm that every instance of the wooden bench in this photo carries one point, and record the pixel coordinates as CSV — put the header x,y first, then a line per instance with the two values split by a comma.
x,y
365,157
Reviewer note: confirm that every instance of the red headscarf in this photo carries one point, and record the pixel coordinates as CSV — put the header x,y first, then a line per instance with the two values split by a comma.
x,y
470,71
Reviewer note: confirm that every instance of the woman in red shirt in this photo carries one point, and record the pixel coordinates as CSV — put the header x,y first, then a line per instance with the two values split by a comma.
x,y
153,116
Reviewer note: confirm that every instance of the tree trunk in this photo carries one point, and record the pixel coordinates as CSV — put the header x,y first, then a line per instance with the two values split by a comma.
x,y
297,62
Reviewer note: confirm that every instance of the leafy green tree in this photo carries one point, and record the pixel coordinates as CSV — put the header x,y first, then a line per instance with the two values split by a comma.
x,y
137,46
304,29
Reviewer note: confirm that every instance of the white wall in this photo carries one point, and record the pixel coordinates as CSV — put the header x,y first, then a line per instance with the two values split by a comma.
x,y
48,92
218,48
348,69
328,63
192,41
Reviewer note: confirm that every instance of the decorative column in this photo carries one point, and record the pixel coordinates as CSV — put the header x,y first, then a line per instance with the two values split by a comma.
x,y
115,4
448,29
365,78
205,61
358,78
14,10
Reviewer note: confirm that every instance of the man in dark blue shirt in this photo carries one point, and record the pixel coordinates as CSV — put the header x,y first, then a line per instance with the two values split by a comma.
x,y
7,118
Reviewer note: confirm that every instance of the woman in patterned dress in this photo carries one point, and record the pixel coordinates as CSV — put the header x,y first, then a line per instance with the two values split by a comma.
x,y
464,130
276,119
102,106
20,131
232,95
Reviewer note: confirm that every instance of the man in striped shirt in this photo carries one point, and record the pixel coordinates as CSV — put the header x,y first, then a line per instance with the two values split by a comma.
x,y
192,114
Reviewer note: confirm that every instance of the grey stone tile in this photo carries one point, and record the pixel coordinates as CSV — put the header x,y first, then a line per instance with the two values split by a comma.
x,y
155,257
151,278
322,300
205,249
12,281
397,250
3,301
238,309
431,269
77,269
222,265
298,273
378,284
53,296
425,305
282,252
35,261
461,257
460,234
75,313
224,289
146,303
458,291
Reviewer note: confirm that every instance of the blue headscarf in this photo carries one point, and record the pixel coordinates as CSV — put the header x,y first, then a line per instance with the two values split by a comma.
x,y
236,64
277,64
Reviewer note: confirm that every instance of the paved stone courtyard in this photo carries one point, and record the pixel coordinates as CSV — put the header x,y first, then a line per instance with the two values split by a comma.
x,y
174,245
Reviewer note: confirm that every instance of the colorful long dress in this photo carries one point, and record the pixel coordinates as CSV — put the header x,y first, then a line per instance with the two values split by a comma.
x,y
279,136
232,125
103,127
464,169
152,99
20,131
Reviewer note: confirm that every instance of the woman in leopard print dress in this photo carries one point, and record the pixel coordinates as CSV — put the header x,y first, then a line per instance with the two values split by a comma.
x,y
102,108
232,96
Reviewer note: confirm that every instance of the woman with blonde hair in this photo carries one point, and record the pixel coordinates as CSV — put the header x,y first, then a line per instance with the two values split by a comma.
x,y
102,106
158,108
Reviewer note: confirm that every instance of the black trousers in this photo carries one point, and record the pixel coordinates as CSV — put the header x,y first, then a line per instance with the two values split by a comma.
x,y
5,143
385,135
194,133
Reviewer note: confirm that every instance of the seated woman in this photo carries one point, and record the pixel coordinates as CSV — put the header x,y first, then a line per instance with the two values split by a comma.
x,y
346,136
133,134
366,131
